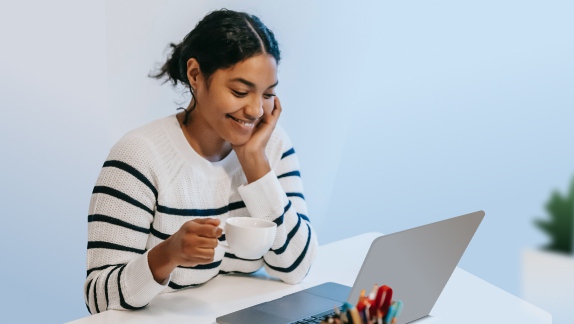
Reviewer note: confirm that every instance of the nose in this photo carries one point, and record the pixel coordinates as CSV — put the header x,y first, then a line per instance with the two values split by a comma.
x,y
254,109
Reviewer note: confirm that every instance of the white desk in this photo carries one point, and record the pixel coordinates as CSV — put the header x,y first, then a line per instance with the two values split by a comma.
x,y
465,299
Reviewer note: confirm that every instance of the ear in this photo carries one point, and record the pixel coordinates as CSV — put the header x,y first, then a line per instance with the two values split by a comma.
x,y
193,72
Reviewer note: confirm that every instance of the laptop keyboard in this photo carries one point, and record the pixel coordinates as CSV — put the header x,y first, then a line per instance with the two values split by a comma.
x,y
315,318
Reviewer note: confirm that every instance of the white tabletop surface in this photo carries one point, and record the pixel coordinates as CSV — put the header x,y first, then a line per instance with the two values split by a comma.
x,y
465,299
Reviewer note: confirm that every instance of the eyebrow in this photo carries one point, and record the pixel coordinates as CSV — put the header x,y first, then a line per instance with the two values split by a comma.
x,y
251,84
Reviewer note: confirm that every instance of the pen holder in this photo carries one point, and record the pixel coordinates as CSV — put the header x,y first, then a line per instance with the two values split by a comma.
x,y
376,308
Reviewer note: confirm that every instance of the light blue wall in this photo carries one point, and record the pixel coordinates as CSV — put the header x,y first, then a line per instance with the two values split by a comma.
x,y
402,113
52,120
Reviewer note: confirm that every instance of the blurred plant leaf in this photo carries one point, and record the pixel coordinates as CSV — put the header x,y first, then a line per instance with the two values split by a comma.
x,y
560,225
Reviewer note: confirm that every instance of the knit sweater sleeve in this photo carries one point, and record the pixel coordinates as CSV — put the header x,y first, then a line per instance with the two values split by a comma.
x,y
119,222
278,196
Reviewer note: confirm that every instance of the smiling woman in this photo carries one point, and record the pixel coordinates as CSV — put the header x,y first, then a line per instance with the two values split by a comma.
x,y
166,188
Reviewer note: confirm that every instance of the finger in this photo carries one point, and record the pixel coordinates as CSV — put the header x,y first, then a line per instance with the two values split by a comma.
x,y
218,232
207,243
270,118
275,113
212,221
199,259
199,252
207,230
204,261
277,109
206,254
267,114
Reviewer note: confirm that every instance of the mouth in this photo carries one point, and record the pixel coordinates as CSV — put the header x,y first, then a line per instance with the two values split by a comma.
x,y
242,122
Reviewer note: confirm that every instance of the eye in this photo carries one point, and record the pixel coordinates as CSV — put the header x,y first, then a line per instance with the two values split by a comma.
x,y
268,95
239,94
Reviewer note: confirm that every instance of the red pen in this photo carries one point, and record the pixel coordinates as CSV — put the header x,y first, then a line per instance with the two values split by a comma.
x,y
383,299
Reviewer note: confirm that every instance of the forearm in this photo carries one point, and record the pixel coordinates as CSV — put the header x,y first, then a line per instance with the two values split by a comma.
x,y
160,262
254,165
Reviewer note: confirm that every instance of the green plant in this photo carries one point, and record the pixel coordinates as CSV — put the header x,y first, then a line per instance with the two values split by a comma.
x,y
561,222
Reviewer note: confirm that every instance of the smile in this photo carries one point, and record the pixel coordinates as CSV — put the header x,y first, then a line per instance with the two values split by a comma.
x,y
244,123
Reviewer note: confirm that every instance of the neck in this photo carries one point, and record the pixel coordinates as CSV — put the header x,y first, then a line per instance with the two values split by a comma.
x,y
203,138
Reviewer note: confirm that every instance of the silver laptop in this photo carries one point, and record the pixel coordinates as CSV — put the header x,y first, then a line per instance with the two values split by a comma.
x,y
415,263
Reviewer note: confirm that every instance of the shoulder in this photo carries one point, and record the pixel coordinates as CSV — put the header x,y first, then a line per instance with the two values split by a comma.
x,y
141,145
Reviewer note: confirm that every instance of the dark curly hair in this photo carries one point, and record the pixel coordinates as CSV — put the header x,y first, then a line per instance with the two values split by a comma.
x,y
220,40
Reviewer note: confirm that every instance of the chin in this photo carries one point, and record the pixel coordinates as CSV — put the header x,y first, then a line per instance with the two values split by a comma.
x,y
239,140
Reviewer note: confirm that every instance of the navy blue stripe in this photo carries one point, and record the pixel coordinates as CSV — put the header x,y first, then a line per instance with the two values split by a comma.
x,y
295,194
289,152
106,287
298,260
122,300
133,171
304,217
112,246
173,285
233,256
201,212
120,195
236,272
115,221
279,220
212,265
100,268
159,234
236,205
221,238
289,174
289,237
96,295
88,295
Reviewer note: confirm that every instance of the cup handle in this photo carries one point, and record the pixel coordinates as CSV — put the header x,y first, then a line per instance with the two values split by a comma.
x,y
224,246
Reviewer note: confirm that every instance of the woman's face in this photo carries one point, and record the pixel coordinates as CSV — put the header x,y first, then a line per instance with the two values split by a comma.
x,y
234,100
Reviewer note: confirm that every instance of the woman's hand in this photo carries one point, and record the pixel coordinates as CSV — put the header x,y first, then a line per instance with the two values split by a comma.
x,y
194,243
251,155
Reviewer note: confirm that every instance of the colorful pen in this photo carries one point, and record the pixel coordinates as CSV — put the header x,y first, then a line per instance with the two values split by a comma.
x,y
355,317
399,308
386,295
390,314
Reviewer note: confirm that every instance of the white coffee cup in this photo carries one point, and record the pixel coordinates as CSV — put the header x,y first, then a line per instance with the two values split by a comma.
x,y
247,237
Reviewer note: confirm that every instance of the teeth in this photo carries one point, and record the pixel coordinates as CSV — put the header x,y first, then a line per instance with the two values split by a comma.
x,y
241,121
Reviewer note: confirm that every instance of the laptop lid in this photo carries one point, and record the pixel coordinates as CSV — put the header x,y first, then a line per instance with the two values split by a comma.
x,y
416,263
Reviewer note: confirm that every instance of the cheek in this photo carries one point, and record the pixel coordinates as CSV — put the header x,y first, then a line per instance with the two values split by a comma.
x,y
218,105
227,103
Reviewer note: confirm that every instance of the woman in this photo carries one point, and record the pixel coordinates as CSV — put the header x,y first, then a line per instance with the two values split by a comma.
x,y
165,187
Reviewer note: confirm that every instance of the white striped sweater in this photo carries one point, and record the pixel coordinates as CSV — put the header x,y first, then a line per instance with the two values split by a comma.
x,y
153,181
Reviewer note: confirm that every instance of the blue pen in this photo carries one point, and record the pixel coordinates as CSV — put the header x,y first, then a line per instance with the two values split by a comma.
x,y
398,310
391,313
346,306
